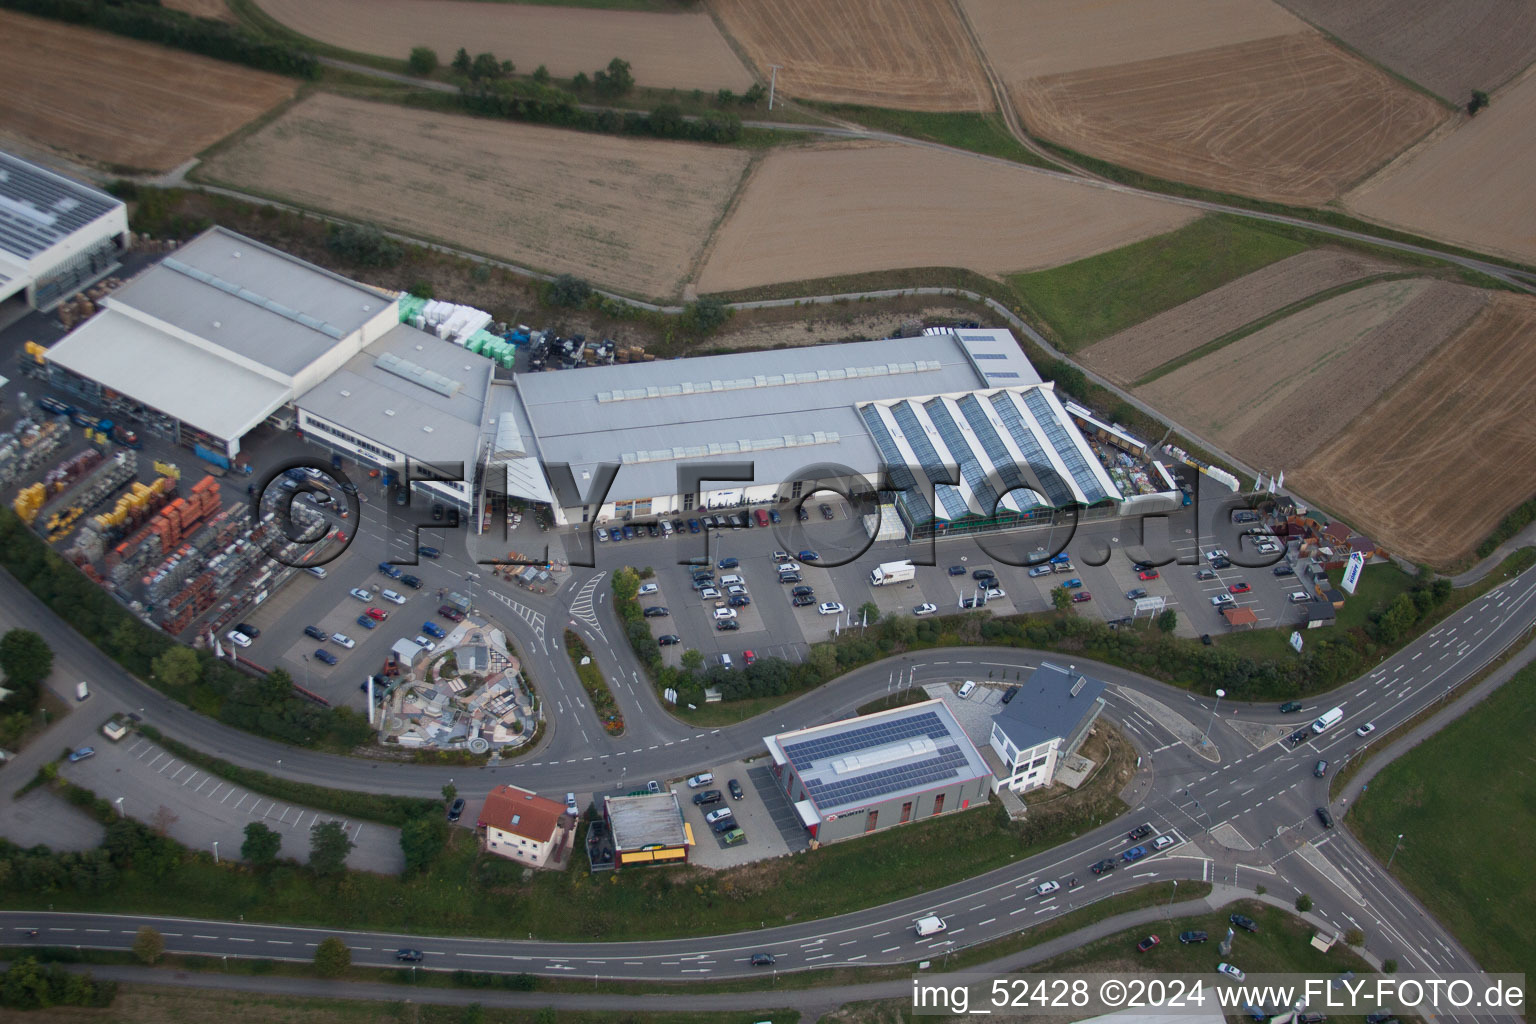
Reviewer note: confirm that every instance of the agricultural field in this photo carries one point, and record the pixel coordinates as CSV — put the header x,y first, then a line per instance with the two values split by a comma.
x,y
826,210
1292,118
1275,396
682,50
1130,354
1459,424
908,54
624,213
131,104
1034,38
1470,185
1449,49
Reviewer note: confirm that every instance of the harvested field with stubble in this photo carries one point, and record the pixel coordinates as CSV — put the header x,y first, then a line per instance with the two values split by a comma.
x,y
118,101
1274,397
1432,467
822,211
1448,48
1127,356
682,50
1027,39
1470,186
623,213
907,54
1292,119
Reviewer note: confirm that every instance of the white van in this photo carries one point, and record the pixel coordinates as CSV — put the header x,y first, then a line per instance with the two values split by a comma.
x,y
1329,719
82,691
732,579
316,571
725,661
930,925
966,688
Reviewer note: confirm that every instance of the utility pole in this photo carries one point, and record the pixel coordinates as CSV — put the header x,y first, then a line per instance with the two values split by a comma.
x,y
773,83
1219,694
1394,851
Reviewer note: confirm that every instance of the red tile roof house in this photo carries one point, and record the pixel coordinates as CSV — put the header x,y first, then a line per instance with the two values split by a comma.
x,y
525,827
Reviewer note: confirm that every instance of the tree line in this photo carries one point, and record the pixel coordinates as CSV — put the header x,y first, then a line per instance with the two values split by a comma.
x,y
150,22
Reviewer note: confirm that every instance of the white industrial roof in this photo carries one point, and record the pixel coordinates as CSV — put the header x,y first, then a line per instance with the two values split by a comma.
x,y
169,374
39,209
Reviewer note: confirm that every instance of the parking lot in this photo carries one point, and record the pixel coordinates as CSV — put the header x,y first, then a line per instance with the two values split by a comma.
x,y
762,812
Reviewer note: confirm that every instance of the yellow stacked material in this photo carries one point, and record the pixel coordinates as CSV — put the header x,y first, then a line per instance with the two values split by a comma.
x,y
29,502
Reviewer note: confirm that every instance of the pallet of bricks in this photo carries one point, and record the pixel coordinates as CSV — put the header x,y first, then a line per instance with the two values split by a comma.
x,y
29,446
203,571
132,510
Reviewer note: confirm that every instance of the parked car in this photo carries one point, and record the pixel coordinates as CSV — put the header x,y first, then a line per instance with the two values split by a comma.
x,y
669,640
802,601
1239,588
727,626
1222,599
314,632
424,643
720,815
647,588
1073,584
983,574
1104,866
1147,574
427,551
733,836
724,825
925,609
82,754
1147,943
365,622
709,593
809,556
1134,853
728,563
1189,938
450,613
693,526
249,630
1140,832
802,591
377,614
325,655
709,796
238,638
725,613
655,611
966,689
360,594
1283,569
957,570
1243,922
414,582
830,608
1205,574
735,788
391,571
1081,596
390,595
433,629
801,514
826,511
342,640
456,809
1231,971
1135,594
1010,693
1163,842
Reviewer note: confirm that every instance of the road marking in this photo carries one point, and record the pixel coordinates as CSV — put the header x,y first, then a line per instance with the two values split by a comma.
x,y
891,950
983,924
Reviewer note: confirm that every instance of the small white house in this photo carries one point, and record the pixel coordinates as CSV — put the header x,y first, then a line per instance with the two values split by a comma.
x,y
520,825
1045,721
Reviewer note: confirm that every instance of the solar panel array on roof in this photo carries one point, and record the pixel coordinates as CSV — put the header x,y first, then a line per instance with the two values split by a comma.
x,y
39,208
805,753
946,764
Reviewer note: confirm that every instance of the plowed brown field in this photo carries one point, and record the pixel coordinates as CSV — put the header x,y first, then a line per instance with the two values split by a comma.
x,y
910,54
1449,48
823,211
1127,356
626,213
1275,396
682,50
1471,186
119,101
1290,118
1030,38
1431,468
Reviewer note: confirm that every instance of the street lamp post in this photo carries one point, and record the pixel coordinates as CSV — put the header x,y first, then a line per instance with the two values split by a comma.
x,y
1210,721
119,802
1394,851
215,851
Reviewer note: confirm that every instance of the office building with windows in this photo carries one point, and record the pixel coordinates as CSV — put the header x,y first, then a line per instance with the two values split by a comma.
x,y
1045,722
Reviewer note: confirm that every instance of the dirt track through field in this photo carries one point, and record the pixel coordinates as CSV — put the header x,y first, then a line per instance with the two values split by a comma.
x,y
683,50
1291,118
1449,48
824,211
1432,467
1471,186
1030,38
119,101
1125,357
908,54
1275,396
623,213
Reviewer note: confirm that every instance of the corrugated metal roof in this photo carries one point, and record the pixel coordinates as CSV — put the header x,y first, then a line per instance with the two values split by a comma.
x,y
39,208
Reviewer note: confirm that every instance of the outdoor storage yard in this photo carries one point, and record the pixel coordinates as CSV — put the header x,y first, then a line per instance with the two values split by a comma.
x,y
1450,49
129,104
887,53
682,50
827,210
1431,190
1291,118
1274,397
624,213
1432,467
1138,351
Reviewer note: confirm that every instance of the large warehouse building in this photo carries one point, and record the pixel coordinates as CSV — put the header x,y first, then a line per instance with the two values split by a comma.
x,y
56,236
858,776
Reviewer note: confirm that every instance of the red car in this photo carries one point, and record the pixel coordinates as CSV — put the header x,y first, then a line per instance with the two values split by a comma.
x,y
450,613
1239,588
1147,574
747,657
1146,943
1081,596
377,615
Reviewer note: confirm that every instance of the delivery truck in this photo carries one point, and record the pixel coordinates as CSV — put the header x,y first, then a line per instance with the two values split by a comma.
x,y
892,572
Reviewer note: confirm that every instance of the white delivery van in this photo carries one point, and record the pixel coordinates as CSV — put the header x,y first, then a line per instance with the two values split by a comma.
x,y
82,691
930,925
1328,721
